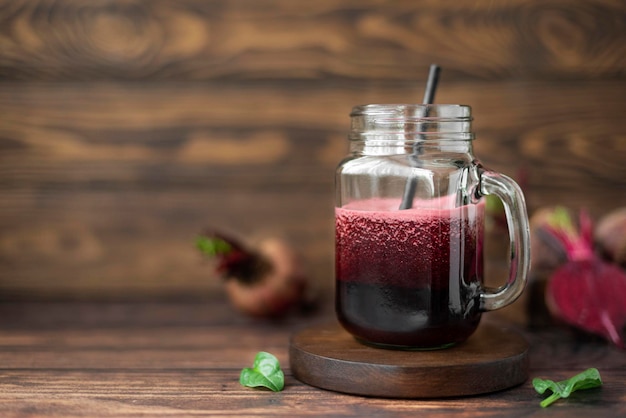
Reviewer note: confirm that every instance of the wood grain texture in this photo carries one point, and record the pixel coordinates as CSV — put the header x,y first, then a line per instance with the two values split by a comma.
x,y
189,135
70,393
492,359
127,126
143,360
134,245
105,186
278,39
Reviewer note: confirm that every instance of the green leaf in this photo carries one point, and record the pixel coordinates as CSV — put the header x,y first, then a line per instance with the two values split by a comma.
x,y
212,246
493,204
588,379
560,219
265,372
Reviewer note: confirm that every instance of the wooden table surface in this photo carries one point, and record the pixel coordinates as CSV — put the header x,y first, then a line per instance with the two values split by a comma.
x,y
90,359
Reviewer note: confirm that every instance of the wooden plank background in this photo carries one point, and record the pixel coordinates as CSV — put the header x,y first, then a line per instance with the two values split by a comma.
x,y
127,126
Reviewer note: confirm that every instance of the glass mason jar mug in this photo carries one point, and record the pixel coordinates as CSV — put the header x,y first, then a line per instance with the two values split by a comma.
x,y
409,228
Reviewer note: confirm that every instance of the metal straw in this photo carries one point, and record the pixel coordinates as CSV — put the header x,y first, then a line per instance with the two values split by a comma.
x,y
429,98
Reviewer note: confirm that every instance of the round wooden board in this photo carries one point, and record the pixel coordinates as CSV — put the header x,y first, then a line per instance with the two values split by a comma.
x,y
492,359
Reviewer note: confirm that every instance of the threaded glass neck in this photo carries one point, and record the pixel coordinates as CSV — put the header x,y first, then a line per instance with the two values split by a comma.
x,y
411,123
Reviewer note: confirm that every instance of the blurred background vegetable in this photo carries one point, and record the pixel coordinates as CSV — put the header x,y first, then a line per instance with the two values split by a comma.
x,y
610,236
582,289
262,280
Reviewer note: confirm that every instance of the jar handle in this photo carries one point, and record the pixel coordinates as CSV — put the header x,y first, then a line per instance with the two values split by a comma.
x,y
509,192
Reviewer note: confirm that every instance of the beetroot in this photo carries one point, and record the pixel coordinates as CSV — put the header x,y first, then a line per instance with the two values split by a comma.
x,y
266,280
586,291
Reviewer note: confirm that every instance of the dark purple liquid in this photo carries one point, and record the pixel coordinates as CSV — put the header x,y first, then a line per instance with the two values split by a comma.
x,y
409,278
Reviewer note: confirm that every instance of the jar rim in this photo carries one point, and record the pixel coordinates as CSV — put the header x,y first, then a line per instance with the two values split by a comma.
x,y
411,122
416,110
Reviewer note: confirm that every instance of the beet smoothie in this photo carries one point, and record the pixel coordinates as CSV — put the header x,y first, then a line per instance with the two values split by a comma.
x,y
409,278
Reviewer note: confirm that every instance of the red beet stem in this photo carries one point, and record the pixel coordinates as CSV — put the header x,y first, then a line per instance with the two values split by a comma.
x,y
612,332
578,244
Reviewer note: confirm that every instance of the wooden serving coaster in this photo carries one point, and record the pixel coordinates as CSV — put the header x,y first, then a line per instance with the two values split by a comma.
x,y
492,359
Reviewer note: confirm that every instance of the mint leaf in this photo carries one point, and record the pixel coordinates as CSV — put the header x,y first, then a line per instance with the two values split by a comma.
x,y
588,379
265,372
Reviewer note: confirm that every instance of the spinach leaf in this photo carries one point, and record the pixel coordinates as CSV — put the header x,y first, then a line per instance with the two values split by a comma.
x,y
265,372
588,379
